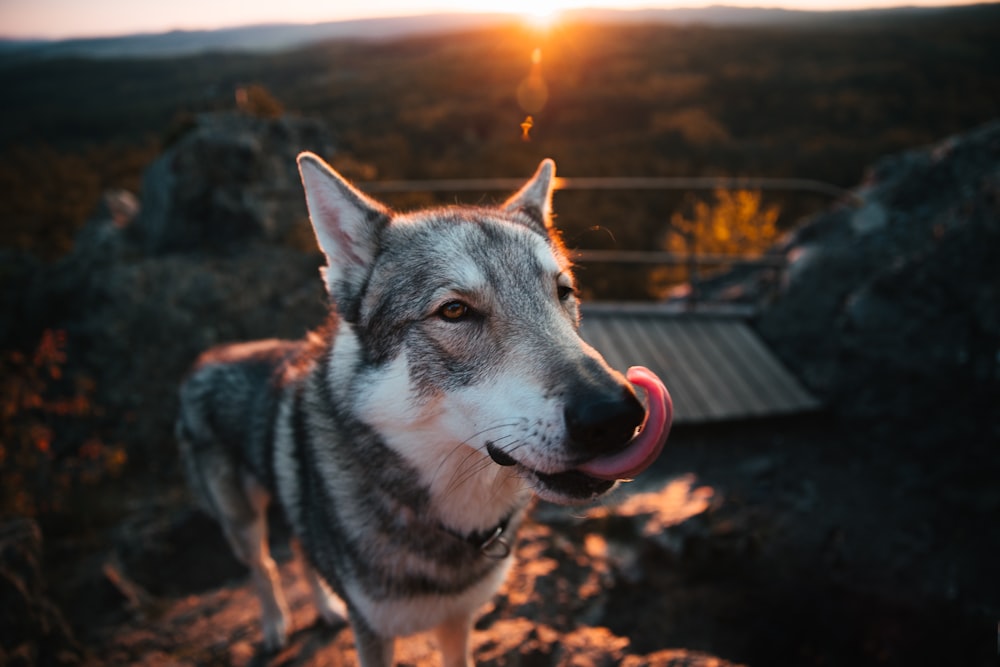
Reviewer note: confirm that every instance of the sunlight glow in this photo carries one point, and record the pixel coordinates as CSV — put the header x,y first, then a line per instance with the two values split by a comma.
x,y
541,17
679,500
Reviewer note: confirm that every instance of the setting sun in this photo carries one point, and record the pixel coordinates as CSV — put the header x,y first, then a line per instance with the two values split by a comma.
x,y
539,14
542,18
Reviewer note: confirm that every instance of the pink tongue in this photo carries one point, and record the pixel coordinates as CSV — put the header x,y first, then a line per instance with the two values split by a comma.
x,y
646,446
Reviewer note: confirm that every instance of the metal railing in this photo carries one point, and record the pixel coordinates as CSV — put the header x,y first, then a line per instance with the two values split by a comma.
x,y
616,183
693,261
664,258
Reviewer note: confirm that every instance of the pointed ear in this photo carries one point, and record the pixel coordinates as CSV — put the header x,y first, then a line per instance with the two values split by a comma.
x,y
347,225
535,198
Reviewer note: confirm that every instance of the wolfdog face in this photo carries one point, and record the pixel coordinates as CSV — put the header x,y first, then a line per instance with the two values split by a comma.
x,y
459,343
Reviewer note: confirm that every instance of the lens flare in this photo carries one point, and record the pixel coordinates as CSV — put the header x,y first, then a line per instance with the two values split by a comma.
x,y
533,93
526,126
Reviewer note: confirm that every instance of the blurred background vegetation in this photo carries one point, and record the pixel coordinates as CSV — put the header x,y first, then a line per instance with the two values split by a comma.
x,y
37,400
814,101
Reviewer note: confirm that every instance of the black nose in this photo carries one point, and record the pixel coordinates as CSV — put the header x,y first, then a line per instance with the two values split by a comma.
x,y
601,423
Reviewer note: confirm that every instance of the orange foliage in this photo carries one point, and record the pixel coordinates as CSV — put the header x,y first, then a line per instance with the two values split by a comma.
x,y
37,465
257,100
736,223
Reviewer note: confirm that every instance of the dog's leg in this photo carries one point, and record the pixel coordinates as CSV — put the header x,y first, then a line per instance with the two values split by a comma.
x,y
247,535
453,641
239,504
373,650
264,573
330,607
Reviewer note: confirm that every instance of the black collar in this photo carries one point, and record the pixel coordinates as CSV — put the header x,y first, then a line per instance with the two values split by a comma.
x,y
494,542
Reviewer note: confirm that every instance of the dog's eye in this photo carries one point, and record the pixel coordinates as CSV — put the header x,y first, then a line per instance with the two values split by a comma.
x,y
564,292
454,311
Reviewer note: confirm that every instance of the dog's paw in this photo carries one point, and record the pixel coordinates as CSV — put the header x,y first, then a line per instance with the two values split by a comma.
x,y
331,608
275,629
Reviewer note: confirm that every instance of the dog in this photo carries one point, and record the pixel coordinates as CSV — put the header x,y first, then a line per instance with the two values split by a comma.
x,y
405,438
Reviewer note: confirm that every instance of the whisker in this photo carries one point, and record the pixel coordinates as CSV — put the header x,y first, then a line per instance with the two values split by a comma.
x,y
458,480
463,472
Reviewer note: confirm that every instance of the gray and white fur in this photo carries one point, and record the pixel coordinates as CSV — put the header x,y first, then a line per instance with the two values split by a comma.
x,y
405,438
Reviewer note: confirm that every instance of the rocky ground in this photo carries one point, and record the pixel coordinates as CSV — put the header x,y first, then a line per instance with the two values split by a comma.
x,y
795,542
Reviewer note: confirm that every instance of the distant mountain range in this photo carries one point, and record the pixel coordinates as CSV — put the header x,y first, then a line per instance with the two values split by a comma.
x,y
249,39
279,37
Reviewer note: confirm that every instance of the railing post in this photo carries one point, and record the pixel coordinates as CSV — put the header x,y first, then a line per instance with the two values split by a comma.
x,y
692,271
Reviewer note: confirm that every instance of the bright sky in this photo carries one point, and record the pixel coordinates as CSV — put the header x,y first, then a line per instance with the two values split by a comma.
x,y
80,18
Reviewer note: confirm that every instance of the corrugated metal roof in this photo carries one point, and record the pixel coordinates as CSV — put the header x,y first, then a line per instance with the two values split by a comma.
x,y
715,367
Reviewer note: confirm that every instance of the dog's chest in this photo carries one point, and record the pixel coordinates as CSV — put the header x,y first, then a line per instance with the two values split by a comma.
x,y
402,616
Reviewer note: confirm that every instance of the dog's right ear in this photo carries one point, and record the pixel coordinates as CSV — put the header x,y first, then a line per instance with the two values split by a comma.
x,y
347,225
534,199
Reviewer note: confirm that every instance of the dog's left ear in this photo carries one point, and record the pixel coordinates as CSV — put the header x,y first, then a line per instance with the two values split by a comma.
x,y
348,226
535,198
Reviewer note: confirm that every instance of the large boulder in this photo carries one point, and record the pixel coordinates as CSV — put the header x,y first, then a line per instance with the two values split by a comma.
x,y
229,178
891,303
221,250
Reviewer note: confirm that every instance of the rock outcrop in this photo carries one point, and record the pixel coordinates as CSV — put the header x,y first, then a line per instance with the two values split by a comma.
x,y
221,250
890,305
229,178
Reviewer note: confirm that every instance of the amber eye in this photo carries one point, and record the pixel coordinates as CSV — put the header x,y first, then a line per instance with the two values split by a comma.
x,y
454,311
